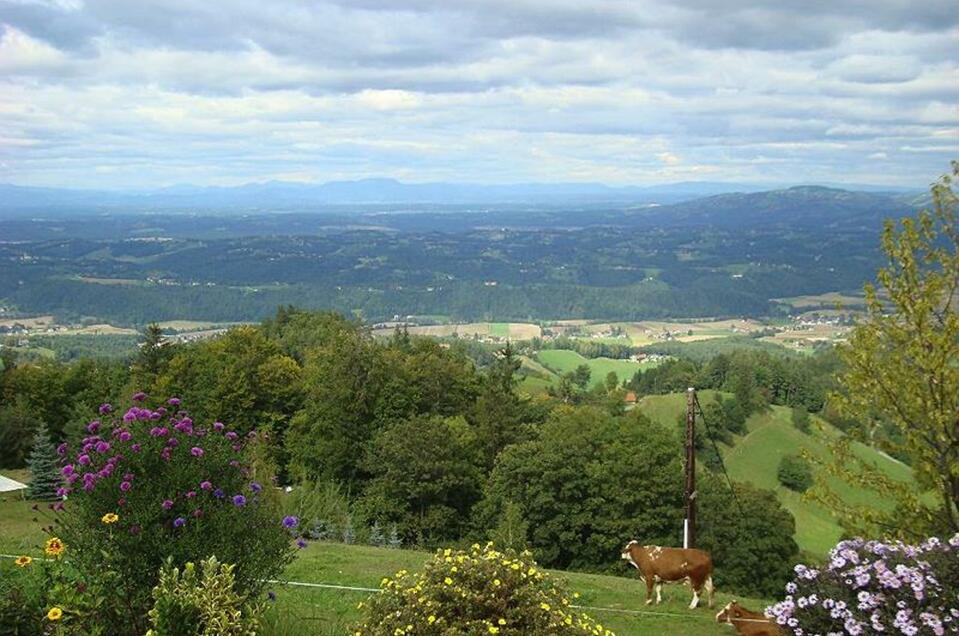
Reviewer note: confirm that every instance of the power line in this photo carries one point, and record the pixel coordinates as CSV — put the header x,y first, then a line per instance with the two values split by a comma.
x,y
719,456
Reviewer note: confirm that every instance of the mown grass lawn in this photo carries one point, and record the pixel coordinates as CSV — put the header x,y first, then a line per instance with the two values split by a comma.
x,y
302,610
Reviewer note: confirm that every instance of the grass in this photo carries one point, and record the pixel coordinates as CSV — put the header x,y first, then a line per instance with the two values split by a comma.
x,y
303,610
755,459
562,361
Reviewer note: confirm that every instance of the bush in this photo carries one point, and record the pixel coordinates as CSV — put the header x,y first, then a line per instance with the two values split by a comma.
x,y
204,605
479,592
151,485
874,587
795,473
800,419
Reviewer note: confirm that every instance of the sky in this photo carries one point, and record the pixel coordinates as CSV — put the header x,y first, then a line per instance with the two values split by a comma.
x,y
134,94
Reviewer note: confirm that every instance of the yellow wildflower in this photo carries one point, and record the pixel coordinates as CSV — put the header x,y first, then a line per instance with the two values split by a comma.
x,y
55,614
544,606
54,547
110,517
23,561
431,619
501,621
496,582
448,581
493,630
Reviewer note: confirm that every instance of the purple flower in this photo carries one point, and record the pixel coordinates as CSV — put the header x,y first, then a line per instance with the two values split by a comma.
x,y
130,415
197,513
121,502
128,476
167,504
139,396
239,500
93,426
67,470
135,448
191,494
300,543
205,485
63,492
134,529
196,451
62,449
103,447
255,487
217,426
125,486
290,522
179,522
173,442
219,494
105,408
173,401
271,595
83,460
125,436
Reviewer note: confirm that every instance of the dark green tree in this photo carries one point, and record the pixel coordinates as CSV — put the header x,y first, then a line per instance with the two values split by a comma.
x,y
44,467
795,473
800,419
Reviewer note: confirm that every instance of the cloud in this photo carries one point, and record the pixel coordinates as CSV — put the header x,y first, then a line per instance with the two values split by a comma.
x,y
112,93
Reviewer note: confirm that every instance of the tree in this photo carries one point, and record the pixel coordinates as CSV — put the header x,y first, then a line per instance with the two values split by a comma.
x,y
900,368
581,375
800,419
44,467
612,381
152,357
17,422
795,473
588,483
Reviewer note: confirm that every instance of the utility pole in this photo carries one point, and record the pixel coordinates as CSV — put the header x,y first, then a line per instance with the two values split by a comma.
x,y
689,523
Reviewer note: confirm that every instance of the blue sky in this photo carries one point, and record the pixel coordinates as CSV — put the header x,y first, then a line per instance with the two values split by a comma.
x,y
136,93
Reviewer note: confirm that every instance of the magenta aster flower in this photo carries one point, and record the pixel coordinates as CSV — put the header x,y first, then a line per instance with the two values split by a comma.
x,y
125,436
135,448
62,449
105,408
83,460
191,494
139,396
196,451
205,485
103,447
300,543
93,426
179,522
255,487
167,504
125,486
173,401
217,426
67,470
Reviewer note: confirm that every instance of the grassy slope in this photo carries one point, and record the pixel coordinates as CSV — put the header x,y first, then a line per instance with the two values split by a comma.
x,y
755,458
563,361
304,611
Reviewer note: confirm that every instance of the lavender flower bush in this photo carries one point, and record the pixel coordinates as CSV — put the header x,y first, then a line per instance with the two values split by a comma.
x,y
150,484
870,587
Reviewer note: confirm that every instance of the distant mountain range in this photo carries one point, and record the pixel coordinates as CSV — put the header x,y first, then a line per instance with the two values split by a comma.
x,y
280,196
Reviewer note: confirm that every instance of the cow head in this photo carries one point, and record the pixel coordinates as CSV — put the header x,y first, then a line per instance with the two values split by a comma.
x,y
626,556
728,613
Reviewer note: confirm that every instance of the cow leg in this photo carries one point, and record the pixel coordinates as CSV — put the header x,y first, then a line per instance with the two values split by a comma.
x,y
659,593
709,590
649,590
695,602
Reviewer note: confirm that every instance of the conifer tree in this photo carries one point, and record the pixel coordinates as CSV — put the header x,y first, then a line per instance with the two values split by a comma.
x,y
43,466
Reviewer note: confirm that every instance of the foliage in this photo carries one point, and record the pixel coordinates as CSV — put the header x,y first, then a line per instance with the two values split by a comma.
x,y
17,425
748,534
872,587
50,595
204,604
800,419
586,483
795,473
44,467
428,493
150,484
511,529
475,593
901,365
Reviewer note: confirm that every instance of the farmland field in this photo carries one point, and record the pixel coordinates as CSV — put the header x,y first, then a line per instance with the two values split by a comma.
x,y
502,330
563,361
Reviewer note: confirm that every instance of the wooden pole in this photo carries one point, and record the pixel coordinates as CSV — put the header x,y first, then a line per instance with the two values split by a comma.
x,y
689,524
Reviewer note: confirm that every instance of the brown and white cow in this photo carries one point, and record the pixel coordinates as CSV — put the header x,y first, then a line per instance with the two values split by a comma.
x,y
747,623
658,565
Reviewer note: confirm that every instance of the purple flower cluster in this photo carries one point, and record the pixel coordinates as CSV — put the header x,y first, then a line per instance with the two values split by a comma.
x,y
870,587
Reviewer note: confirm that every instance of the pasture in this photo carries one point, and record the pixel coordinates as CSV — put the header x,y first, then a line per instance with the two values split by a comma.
x,y
755,459
499,330
301,610
561,361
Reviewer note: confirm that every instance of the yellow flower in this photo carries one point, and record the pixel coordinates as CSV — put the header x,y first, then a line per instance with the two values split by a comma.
x,y
54,547
55,614
23,561
501,621
493,630
431,619
448,581
544,606
496,582
110,517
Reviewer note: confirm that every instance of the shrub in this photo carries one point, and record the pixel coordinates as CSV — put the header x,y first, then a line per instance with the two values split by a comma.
x,y
476,592
795,473
800,419
151,485
874,587
206,605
